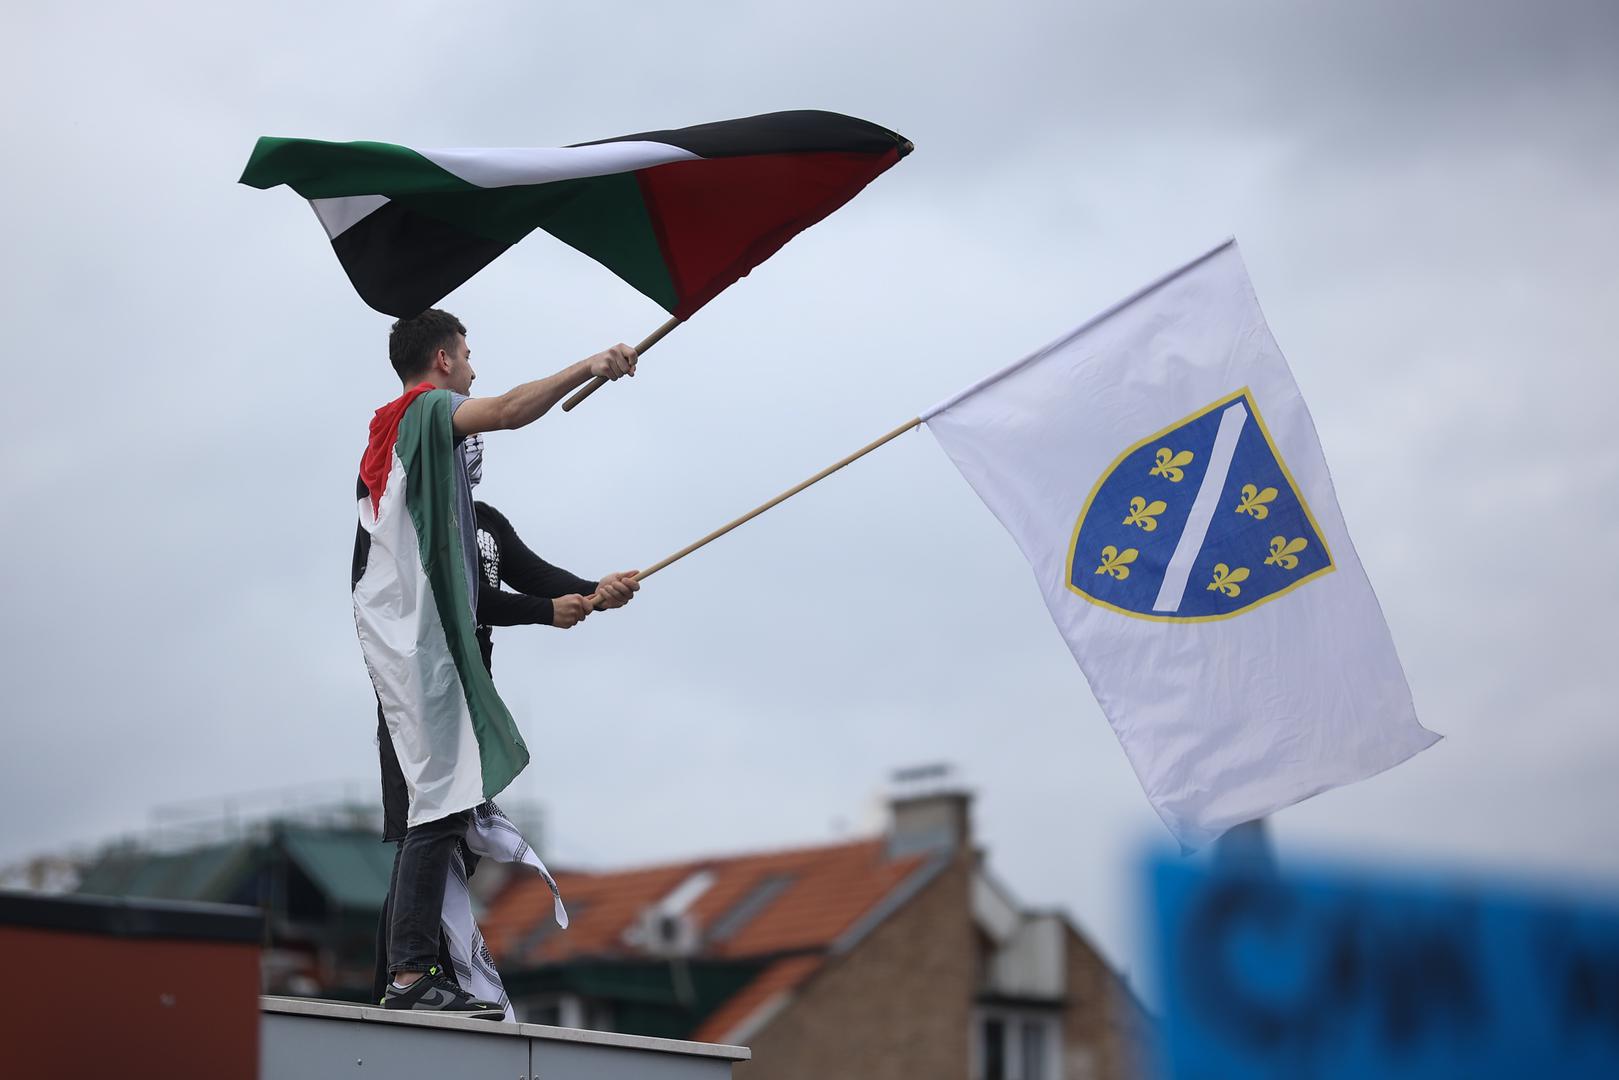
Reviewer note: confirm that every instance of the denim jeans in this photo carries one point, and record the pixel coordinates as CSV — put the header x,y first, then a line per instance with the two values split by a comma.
x,y
415,903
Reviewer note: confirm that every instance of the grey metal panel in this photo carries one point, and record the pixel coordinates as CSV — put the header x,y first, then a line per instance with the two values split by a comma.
x,y
578,1061
295,1047
634,1042
350,1013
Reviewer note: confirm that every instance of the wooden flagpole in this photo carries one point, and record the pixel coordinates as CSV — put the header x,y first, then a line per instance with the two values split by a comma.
x,y
783,497
601,380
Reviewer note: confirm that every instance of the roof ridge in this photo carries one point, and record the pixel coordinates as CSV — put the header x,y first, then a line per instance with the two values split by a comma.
x,y
700,861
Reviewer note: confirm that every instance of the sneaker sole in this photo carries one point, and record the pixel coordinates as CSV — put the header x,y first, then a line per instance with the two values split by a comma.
x,y
476,1014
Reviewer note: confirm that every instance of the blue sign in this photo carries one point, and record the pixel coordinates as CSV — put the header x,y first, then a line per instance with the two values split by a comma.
x,y
1199,521
1333,977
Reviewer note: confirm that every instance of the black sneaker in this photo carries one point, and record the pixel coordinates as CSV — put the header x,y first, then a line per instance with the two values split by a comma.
x,y
436,992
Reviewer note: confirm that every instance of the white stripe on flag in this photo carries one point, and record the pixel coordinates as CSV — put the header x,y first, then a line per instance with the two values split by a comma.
x,y
510,167
1203,507
516,166
338,215
412,669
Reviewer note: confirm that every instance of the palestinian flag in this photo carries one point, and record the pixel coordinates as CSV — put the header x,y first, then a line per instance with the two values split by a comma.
x,y
680,215
413,606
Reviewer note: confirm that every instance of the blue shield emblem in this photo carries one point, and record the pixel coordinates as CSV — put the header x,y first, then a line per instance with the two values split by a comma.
x,y
1199,521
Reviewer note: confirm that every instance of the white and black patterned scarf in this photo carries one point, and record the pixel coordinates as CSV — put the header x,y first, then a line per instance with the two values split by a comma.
x,y
472,448
490,836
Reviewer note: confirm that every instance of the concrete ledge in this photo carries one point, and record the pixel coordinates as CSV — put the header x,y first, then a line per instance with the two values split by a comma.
x,y
304,1038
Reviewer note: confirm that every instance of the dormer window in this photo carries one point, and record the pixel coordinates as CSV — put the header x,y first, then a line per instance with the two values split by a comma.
x,y
666,928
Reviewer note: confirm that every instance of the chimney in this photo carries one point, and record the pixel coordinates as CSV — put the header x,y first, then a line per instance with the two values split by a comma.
x,y
929,810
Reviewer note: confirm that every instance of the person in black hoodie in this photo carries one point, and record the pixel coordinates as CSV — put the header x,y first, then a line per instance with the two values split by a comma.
x,y
546,595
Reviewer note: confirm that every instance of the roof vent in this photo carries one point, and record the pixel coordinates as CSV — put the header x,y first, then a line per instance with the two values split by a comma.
x,y
664,934
666,928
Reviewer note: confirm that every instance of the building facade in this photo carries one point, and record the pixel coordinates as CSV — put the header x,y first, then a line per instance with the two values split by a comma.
x,y
889,958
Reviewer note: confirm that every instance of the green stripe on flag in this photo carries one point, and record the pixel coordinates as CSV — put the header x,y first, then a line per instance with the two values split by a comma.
x,y
426,444
608,221
602,216
328,170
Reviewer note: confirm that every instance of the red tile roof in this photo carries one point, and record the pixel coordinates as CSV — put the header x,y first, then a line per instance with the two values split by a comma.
x,y
778,978
817,894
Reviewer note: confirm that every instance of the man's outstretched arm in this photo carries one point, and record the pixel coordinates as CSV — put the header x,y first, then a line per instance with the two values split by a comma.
x,y
522,405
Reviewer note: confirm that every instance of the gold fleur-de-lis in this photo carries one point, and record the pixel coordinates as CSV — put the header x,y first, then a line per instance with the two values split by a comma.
x,y
1144,514
1170,463
1116,562
1285,552
1225,579
1254,500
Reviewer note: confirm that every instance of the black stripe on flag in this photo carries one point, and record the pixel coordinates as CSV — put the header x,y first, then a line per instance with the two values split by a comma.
x,y
805,131
403,262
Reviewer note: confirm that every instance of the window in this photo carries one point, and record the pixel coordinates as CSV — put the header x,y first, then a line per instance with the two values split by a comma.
x,y
994,1050
1032,1049
1013,1044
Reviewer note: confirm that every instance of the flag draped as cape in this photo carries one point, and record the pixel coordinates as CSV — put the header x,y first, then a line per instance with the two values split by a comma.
x,y
456,743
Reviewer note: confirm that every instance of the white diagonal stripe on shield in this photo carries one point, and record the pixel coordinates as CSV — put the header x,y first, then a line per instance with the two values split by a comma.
x,y
1203,507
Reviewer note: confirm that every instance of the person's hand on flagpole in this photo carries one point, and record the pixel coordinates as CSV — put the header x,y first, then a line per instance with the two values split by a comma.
x,y
616,590
569,611
613,363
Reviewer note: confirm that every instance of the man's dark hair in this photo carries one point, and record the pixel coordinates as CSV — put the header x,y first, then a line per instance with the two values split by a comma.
x,y
413,341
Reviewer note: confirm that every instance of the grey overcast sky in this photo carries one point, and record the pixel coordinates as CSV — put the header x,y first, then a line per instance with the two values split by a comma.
x,y
1427,196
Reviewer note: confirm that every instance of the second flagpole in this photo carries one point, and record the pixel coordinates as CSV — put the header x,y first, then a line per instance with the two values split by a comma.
x,y
783,497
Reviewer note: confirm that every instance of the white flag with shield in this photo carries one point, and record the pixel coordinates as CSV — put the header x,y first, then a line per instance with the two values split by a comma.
x,y
1160,472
